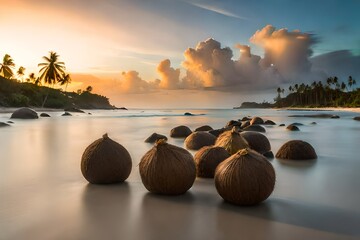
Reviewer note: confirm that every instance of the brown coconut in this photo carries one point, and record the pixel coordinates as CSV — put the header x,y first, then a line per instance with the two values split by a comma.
x,y
245,178
296,150
207,159
167,169
180,132
106,161
232,141
204,128
197,140
256,120
257,141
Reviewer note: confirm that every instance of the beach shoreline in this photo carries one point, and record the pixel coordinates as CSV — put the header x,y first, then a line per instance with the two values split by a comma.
x,y
355,110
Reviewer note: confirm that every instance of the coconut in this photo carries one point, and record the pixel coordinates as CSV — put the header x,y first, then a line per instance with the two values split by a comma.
x,y
167,169
207,159
232,123
245,178
197,140
269,122
257,141
256,120
180,132
292,128
254,128
24,113
296,150
105,161
204,128
232,141
44,115
154,137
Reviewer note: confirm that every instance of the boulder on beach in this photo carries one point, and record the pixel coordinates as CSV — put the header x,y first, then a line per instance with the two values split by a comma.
x,y
73,109
256,120
257,141
269,122
245,124
44,115
2,124
313,123
217,132
204,128
25,113
296,150
357,118
297,124
281,125
9,122
292,127
180,132
66,114
255,128
188,114
246,119
154,137
197,140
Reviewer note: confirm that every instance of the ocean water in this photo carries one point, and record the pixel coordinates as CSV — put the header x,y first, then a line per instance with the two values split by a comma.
x,y
44,196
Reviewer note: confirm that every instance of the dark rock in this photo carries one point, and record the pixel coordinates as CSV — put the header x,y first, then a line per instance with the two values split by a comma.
x,y
44,115
281,125
335,116
2,124
357,118
25,113
257,141
89,113
292,128
180,132
154,137
10,122
204,128
296,150
217,132
188,114
232,123
313,123
269,154
256,120
73,109
297,124
197,140
66,114
254,128
269,122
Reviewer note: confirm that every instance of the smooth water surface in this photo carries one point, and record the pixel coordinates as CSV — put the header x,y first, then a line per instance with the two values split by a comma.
x,y
43,194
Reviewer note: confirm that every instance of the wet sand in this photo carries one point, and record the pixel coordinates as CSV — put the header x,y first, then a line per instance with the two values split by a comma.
x,y
44,196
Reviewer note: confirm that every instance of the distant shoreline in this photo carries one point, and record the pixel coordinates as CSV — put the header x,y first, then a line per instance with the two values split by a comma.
x,y
357,110
37,109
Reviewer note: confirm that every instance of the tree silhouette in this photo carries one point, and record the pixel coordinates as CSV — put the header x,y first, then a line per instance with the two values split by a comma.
x,y
7,66
65,80
21,72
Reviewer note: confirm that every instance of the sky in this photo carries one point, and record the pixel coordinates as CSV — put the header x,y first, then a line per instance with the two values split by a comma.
x,y
186,53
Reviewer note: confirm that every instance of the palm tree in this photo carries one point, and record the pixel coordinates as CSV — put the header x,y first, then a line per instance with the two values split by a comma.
x,y
31,78
51,71
65,80
89,89
21,72
6,67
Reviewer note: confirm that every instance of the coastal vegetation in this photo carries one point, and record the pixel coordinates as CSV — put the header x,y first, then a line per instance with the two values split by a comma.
x,y
16,90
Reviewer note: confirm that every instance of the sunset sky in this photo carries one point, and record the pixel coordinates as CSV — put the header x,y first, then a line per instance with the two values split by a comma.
x,y
175,53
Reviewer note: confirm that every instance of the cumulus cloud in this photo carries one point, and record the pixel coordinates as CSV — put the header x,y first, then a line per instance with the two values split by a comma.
x,y
131,82
170,77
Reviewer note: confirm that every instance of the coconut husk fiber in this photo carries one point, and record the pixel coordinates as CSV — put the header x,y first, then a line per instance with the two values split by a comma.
x,y
180,132
167,169
245,178
197,140
257,141
296,150
231,141
105,161
207,159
